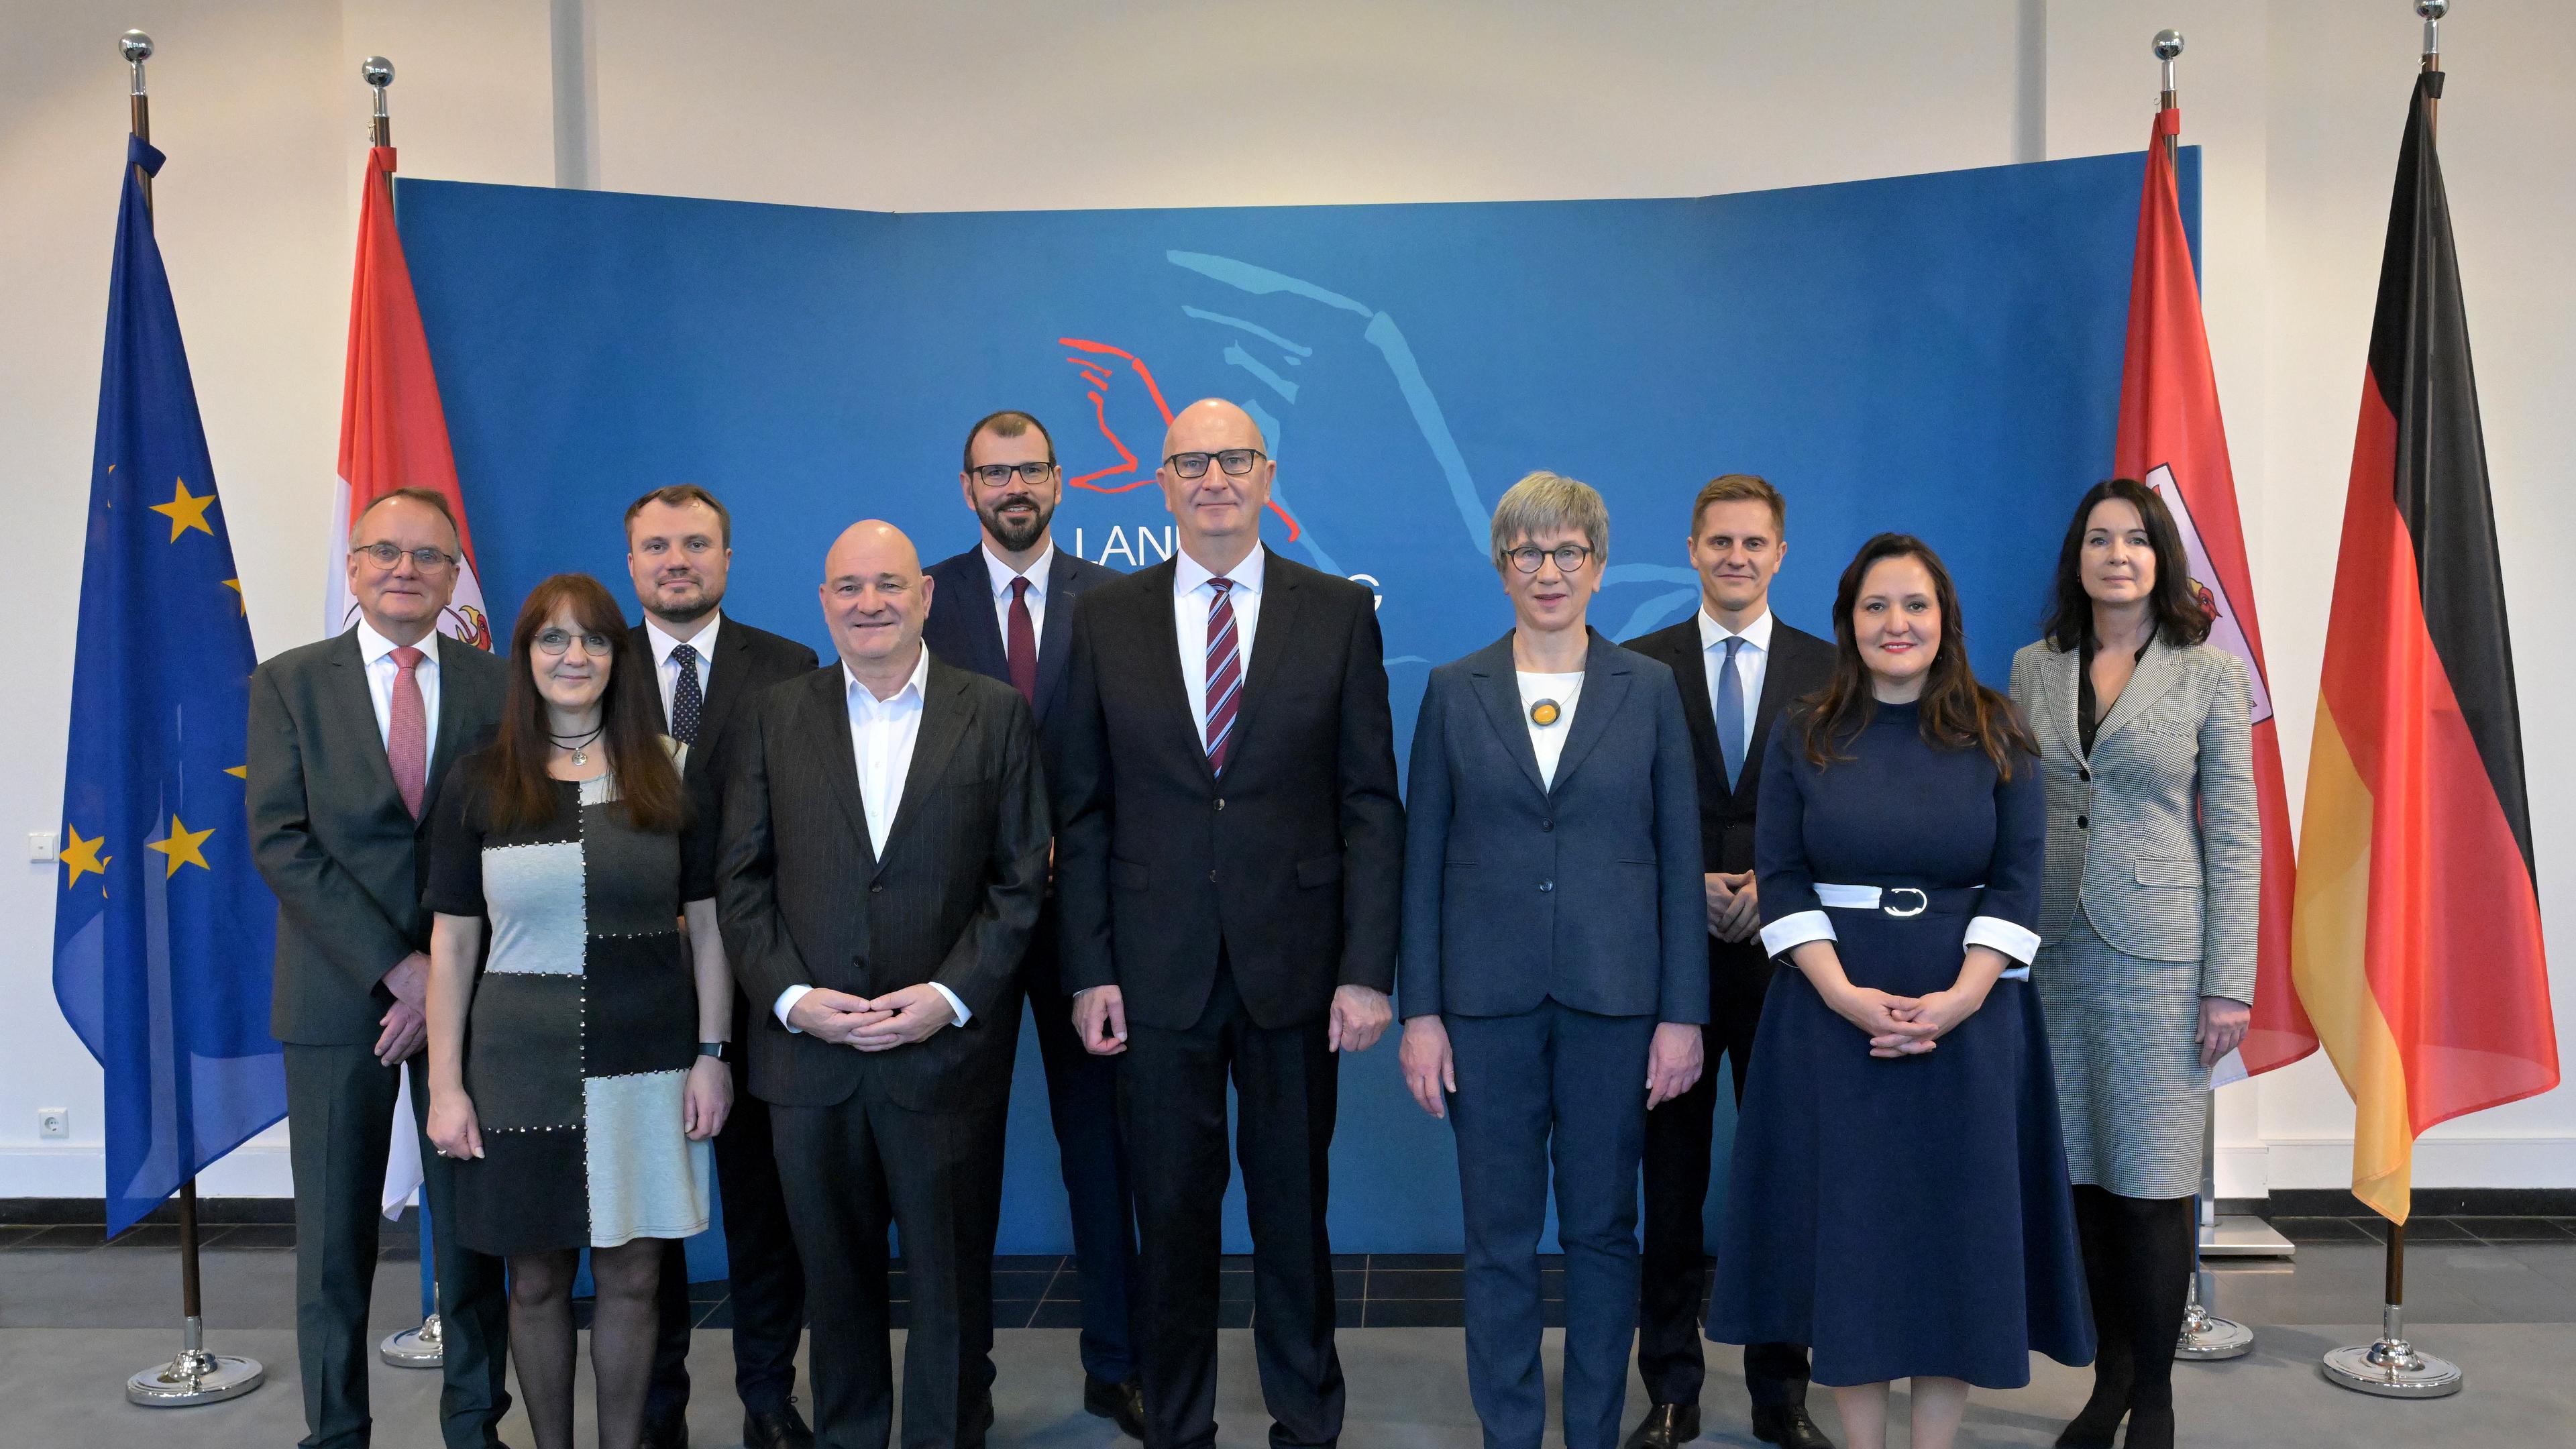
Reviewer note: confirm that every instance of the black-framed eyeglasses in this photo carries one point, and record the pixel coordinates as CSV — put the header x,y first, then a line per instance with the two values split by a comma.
x,y
386,555
1235,461
994,475
1568,556
553,642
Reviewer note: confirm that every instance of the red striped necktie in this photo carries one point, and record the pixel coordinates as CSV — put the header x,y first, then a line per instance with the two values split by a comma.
x,y
1224,673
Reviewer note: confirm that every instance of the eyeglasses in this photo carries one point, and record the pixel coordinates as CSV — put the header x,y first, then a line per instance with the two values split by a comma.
x,y
1235,461
553,642
386,555
994,475
1569,557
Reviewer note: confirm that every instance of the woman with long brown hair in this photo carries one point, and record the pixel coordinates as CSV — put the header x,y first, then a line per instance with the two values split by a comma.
x,y
2147,922
1898,1198
571,1073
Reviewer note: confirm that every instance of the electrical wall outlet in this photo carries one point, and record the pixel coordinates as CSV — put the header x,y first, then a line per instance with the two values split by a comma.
x,y
40,846
53,1122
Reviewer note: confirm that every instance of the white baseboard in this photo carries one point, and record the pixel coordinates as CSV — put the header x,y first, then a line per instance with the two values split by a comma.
x,y
72,1169
2293,1163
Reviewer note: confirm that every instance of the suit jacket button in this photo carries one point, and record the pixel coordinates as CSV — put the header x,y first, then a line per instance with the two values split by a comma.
x,y
875,886
1546,886
2083,822
1547,825
1211,877
2084,774
1220,804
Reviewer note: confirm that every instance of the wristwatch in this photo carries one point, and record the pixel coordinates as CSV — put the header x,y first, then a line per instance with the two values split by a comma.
x,y
721,1050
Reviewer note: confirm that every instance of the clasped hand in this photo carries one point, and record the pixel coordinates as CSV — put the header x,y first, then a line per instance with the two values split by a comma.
x,y
1904,1026
898,1018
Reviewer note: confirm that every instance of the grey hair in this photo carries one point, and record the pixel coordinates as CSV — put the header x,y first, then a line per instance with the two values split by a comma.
x,y
1544,502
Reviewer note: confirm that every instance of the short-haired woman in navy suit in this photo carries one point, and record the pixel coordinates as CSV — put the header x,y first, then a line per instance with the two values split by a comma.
x,y
1898,1198
1555,957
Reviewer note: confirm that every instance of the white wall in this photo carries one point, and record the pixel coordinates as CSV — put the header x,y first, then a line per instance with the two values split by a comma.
x,y
1013,103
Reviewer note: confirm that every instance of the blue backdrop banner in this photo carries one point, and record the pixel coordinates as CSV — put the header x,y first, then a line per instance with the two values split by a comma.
x,y
1938,354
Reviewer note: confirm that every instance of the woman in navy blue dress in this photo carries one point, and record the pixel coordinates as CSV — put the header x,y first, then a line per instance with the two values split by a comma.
x,y
1899,1195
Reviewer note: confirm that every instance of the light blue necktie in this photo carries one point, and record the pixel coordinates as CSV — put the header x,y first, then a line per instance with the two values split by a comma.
x,y
1730,714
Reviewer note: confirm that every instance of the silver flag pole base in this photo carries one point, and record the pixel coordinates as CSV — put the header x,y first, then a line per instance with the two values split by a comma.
x,y
415,1348
2392,1368
195,1376
2206,1337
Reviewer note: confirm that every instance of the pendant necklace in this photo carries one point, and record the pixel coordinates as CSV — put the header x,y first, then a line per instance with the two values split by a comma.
x,y
579,746
1546,712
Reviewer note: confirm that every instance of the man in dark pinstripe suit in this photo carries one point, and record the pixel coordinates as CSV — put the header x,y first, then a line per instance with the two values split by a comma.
x,y
885,852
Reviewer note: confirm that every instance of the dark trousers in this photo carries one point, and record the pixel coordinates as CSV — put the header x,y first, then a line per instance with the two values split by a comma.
x,y
1677,1162
1562,1089
767,1282
1172,1101
1082,1099
848,1171
340,1113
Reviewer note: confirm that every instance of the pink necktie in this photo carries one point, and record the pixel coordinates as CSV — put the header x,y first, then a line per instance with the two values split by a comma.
x,y
407,743
1224,673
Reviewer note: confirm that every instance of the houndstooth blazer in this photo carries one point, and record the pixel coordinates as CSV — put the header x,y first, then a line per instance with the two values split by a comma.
x,y
2155,833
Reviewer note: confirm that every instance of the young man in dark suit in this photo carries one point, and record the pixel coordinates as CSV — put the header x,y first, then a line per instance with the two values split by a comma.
x,y
885,853
679,549
1738,668
349,740
1004,609
1228,869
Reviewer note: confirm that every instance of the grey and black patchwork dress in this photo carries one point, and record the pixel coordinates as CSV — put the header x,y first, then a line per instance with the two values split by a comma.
x,y
584,1025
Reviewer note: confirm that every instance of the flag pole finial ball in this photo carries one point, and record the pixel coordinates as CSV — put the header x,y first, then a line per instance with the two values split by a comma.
x,y
2168,44
134,46
379,72
2432,9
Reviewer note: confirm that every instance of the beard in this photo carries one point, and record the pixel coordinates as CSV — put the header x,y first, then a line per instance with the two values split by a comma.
x,y
692,611
1017,534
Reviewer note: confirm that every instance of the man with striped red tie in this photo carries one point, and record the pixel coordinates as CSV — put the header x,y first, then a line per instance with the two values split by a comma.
x,y
1229,858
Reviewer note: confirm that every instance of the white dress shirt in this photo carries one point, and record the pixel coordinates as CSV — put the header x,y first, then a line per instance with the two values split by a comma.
x,y
1191,599
704,641
882,734
1037,576
1752,659
1548,740
377,652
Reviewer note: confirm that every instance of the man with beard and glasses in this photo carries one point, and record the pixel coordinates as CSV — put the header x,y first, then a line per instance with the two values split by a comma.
x,y
679,545
1004,608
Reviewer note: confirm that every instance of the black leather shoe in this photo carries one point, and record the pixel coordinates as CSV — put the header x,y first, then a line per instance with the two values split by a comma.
x,y
783,1429
1122,1404
670,1433
1790,1428
1667,1426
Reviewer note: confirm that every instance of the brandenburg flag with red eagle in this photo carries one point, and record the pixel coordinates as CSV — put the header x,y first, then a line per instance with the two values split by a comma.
x,y
2416,945
2172,439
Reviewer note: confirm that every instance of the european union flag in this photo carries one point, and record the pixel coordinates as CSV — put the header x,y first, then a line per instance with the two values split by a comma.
x,y
164,932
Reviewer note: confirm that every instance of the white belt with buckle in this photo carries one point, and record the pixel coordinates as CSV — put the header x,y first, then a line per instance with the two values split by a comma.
x,y
1897,901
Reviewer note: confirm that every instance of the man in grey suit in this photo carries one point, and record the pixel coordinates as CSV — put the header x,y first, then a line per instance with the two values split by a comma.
x,y
349,739
885,852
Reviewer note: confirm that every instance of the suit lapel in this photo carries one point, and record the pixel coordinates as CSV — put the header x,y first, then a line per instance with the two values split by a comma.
x,y
2057,697
354,709
1160,632
1605,686
944,713
1499,687
836,752
723,681
455,703
1279,605
1056,635
988,652
2160,671
1766,713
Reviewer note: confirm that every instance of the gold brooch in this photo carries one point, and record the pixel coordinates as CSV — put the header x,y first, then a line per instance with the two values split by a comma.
x,y
1544,713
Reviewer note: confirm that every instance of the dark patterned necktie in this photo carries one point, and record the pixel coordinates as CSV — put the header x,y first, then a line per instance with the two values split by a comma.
x,y
1023,647
688,698
1224,673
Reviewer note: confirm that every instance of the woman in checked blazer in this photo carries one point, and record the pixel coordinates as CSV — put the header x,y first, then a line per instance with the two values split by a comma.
x,y
2147,919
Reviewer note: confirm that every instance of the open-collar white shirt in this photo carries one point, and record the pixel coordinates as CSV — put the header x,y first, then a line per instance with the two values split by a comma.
x,y
882,735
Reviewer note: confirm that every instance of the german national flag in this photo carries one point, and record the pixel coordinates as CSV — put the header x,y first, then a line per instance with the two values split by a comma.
x,y
2416,945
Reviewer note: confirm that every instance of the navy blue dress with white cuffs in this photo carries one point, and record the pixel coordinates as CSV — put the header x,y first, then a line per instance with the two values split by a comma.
x,y
1905,1216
